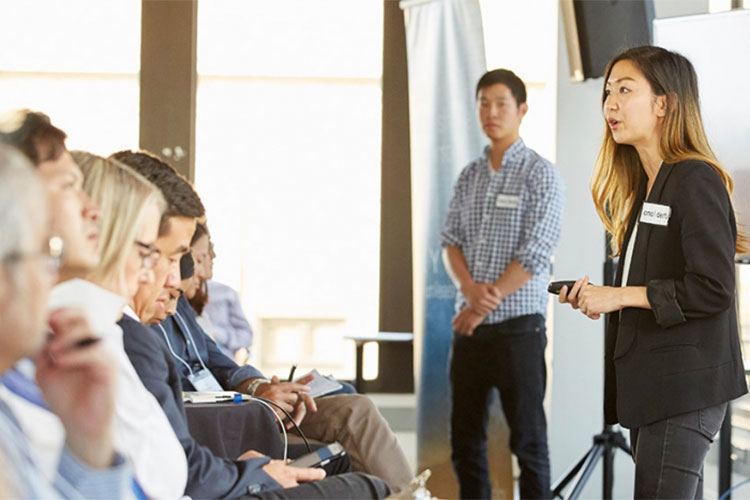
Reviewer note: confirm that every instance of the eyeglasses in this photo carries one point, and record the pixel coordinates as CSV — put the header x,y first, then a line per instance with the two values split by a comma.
x,y
149,255
52,254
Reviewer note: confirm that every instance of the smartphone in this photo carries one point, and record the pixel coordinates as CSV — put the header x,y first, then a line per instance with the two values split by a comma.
x,y
320,457
556,286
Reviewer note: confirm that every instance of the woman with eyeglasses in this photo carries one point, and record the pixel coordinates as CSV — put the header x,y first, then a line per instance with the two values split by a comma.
x,y
131,209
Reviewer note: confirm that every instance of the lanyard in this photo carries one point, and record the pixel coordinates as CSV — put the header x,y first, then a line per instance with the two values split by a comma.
x,y
189,341
195,346
169,344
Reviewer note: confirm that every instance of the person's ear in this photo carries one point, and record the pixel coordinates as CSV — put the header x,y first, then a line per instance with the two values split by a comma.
x,y
661,105
523,108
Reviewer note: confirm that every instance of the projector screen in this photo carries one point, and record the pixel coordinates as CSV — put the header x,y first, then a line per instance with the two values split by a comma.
x,y
718,45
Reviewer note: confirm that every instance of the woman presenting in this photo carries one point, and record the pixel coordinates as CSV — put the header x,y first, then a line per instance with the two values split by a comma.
x,y
672,346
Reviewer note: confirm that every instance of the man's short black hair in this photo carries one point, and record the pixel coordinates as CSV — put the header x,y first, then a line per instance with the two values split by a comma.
x,y
182,200
33,134
507,78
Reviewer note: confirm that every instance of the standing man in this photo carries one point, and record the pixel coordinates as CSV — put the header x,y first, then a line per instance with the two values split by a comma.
x,y
502,226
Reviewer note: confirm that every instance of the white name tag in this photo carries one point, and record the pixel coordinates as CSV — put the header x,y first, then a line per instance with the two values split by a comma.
x,y
507,200
656,214
204,381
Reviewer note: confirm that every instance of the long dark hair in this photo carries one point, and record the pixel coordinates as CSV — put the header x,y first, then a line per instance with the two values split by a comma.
x,y
618,170
200,299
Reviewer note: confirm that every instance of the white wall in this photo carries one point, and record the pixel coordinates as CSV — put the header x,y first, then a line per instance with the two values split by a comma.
x,y
578,356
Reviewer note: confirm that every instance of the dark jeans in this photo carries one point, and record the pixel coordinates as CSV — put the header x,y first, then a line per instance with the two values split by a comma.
x,y
669,454
352,486
508,356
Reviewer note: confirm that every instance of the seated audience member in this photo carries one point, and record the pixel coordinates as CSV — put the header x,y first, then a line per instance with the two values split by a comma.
x,y
234,343
130,212
140,428
352,420
221,316
73,219
73,375
209,476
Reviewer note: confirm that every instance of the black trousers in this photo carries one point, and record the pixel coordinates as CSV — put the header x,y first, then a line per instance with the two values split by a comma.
x,y
508,356
351,486
339,465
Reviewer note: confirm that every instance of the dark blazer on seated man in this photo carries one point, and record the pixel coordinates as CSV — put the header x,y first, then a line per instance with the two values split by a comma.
x,y
210,476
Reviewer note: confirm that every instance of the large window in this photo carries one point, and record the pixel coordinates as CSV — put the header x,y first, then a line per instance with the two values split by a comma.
x,y
522,37
288,165
77,61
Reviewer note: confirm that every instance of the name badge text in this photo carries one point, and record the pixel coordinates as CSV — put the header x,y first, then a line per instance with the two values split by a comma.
x,y
507,200
653,213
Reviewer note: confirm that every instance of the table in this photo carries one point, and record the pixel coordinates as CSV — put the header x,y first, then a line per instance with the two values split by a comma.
x,y
395,362
231,429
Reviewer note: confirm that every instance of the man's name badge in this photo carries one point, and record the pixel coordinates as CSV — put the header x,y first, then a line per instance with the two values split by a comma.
x,y
204,381
507,200
653,213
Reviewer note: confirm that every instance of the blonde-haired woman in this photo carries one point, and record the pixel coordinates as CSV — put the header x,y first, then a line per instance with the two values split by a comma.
x,y
672,345
131,209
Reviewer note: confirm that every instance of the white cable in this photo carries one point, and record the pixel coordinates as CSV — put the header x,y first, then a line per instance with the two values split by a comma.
x,y
278,418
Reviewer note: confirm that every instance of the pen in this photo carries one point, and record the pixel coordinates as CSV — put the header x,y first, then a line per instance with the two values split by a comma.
x,y
80,344
291,372
85,342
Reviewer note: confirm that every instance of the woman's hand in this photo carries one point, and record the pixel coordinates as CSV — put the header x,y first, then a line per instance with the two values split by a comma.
x,y
571,296
597,300
593,301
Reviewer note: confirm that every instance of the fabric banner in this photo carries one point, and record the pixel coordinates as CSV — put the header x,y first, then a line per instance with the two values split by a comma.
x,y
445,51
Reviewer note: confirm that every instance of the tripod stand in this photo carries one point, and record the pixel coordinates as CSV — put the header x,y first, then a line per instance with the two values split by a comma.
x,y
605,443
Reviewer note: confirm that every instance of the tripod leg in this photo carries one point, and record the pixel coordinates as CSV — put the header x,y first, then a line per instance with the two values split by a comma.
x,y
562,483
609,473
592,459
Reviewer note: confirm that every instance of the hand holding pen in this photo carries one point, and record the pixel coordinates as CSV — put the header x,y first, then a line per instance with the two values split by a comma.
x,y
288,394
75,375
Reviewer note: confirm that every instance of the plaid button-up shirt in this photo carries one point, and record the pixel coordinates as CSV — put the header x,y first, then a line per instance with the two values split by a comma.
x,y
512,214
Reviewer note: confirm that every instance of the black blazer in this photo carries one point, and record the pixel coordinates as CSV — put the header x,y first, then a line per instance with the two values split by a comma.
x,y
209,476
684,354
